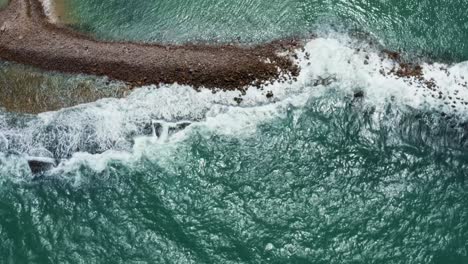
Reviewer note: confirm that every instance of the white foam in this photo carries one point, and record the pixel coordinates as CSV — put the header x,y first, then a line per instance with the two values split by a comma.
x,y
3,143
107,123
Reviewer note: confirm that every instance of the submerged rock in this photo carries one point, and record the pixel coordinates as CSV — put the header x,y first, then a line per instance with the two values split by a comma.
x,y
163,129
39,165
359,94
40,160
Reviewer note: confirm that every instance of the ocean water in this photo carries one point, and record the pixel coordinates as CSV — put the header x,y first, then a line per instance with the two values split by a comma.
x,y
433,29
315,174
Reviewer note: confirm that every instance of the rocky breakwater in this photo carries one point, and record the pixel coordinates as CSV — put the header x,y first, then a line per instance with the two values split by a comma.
x,y
27,37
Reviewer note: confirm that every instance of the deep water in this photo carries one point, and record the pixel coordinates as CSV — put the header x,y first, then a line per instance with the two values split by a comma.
x,y
344,165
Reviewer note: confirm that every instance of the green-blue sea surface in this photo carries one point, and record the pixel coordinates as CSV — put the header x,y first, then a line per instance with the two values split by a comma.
x,y
313,175
435,29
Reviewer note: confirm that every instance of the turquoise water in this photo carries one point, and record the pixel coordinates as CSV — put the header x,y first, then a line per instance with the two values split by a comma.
x,y
312,175
435,29
303,189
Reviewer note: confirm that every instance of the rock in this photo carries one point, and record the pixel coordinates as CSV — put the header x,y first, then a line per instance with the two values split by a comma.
x,y
40,160
238,100
359,94
39,165
228,67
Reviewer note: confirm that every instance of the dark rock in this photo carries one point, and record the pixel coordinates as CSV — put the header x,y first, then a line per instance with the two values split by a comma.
x,y
359,94
238,100
39,165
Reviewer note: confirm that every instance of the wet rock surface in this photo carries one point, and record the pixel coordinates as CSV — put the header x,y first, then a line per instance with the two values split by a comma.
x,y
38,165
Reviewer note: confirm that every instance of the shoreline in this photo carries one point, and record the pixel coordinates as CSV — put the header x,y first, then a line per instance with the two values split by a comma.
x,y
28,37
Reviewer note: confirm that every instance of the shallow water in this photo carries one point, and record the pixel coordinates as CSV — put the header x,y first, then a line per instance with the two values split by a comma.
x,y
29,90
312,175
3,3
